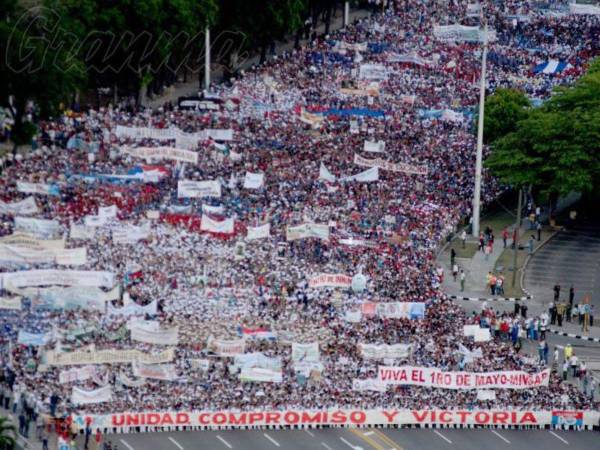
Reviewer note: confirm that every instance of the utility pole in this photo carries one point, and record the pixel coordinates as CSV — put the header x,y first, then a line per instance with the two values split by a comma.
x,y
516,237
346,14
478,161
207,59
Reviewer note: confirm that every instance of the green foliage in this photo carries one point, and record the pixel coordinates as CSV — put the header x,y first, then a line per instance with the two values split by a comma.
x,y
8,433
503,110
556,147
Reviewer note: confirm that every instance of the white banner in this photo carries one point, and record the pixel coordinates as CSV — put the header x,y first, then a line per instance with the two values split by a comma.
x,y
208,209
130,382
369,385
132,309
261,375
10,303
226,348
108,212
305,352
325,174
437,378
73,297
198,189
21,255
336,416
214,226
307,230
254,180
82,232
94,221
330,280
386,165
259,232
83,397
76,374
37,188
165,372
169,153
484,394
168,336
51,277
173,134
36,339
394,351
374,147
461,33
368,175
25,207
31,242
112,356
130,234
375,72
38,227
577,8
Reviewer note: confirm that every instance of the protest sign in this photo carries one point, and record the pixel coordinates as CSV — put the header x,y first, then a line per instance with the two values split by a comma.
x,y
254,180
169,153
25,207
37,188
50,277
386,165
305,352
261,375
159,337
374,351
215,226
307,230
259,232
198,189
110,356
83,397
38,227
165,372
330,280
438,378
10,303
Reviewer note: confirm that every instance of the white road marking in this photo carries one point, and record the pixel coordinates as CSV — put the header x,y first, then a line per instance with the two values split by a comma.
x,y
126,444
442,436
355,447
309,432
326,446
177,444
224,441
369,433
500,436
558,437
271,439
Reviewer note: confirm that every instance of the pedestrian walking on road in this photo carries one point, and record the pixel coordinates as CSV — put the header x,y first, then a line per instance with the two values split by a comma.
x,y
504,236
571,296
530,243
556,289
463,238
462,280
452,256
454,271
539,231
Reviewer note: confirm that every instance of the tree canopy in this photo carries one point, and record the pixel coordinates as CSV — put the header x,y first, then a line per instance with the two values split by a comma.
x,y
556,147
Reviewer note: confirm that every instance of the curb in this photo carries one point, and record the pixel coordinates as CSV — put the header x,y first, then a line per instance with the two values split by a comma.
x,y
524,267
492,299
574,336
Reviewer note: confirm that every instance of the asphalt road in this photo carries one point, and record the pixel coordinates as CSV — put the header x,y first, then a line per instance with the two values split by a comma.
x,y
365,439
571,257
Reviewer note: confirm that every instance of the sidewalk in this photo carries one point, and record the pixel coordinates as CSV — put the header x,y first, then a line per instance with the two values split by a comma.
x,y
189,88
477,267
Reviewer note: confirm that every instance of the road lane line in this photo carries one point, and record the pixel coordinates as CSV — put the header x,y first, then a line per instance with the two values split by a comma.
x,y
224,441
500,436
309,432
355,447
369,433
367,439
558,437
126,444
177,444
271,439
385,438
442,436
326,446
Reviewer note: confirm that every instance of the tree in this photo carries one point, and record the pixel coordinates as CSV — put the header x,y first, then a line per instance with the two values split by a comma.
x,y
503,110
262,22
34,68
555,148
8,434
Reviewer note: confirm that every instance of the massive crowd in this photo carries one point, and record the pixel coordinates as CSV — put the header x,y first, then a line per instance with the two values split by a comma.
x,y
293,123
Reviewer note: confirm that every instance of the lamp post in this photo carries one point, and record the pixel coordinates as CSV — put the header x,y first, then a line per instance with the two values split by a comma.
x,y
478,161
